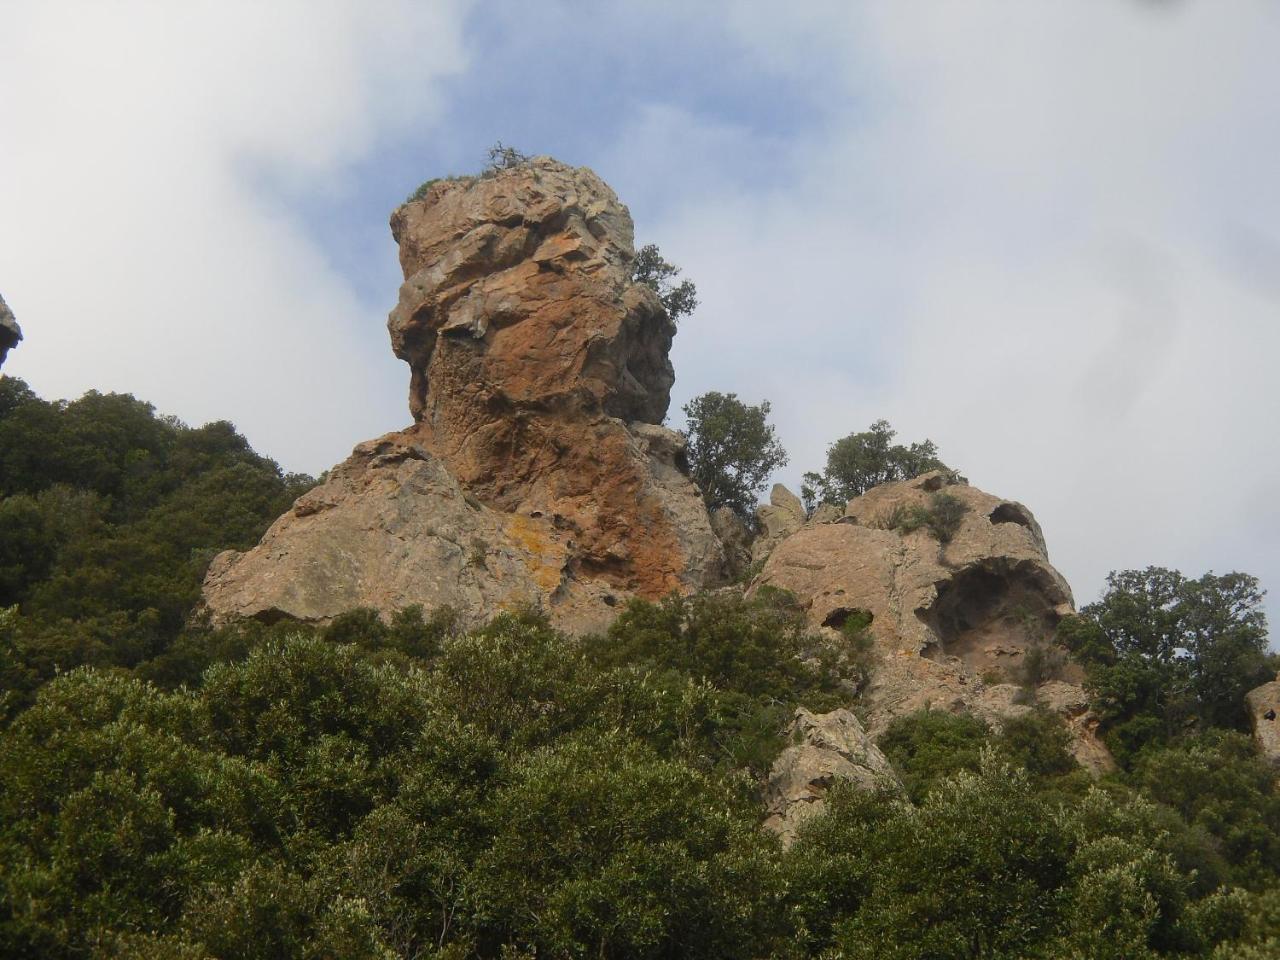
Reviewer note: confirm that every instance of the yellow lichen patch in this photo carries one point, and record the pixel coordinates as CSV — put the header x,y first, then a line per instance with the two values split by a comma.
x,y
545,555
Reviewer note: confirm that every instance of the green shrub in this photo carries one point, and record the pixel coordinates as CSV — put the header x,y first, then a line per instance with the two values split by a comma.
x,y
942,517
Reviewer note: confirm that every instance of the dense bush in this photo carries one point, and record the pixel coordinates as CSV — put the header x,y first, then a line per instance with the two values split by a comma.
x,y
732,451
396,787
942,517
109,515
864,460
1168,655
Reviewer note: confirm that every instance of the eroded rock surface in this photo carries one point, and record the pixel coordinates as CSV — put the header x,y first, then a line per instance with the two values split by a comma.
x,y
953,623
782,516
10,332
826,748
1264,713
538,377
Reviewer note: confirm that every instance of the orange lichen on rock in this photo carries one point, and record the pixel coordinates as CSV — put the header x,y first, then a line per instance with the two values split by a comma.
x,y
535,471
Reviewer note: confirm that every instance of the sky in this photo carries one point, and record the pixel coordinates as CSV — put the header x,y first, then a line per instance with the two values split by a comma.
x,y
1043,234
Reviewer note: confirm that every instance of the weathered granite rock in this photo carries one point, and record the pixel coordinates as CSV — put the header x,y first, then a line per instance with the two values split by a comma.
x,y
782,516
1264,713
10,332
826,513
391,527
735,538
952,623
825,748
538,375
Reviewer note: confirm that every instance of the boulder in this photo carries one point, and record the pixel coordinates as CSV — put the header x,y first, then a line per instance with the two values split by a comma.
x,y
539,375
780,518
826,748
10,332
952,623
1264,714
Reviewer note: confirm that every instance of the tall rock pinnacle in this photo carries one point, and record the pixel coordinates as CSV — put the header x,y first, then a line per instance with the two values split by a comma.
x,y
535,471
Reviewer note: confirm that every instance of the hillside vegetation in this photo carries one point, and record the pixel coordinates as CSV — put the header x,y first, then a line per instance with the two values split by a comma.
x,y
401,788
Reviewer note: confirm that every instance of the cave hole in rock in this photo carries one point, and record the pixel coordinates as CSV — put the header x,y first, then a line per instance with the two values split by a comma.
x,y
838,617
1010,513
989,614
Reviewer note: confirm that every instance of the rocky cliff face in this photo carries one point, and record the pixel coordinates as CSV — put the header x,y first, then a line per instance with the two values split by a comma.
x,y
10,332
953,623
536,471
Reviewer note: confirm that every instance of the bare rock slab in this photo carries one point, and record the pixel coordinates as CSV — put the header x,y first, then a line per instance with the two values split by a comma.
x,y
826,748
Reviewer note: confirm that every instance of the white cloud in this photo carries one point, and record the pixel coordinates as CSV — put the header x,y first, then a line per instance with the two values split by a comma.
x,y
1042,234
141,249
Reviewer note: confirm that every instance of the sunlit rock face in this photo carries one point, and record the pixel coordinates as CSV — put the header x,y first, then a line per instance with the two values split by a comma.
x,y
953,622
536,471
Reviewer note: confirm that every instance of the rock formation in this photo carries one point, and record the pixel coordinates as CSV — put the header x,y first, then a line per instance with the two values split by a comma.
x,y
1263,704
953,623
535,471
824,748
782,516
10,332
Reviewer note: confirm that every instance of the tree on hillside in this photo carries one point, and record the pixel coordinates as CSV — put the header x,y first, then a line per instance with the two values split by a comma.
x,y
651,269
864,460
732,450
1168,653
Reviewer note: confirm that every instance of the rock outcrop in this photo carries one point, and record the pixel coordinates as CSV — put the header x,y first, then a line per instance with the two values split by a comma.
x,y
953,623
535,471
1264,713
824,748
782,516
10,332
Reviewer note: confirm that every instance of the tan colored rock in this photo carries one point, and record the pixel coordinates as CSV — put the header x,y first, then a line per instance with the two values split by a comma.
x,y
780,518
390,527
10,332
825,748
952,623
826,513
530,349
1264,713
538,375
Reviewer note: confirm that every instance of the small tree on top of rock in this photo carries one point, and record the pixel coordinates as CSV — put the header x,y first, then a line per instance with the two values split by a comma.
x,y
732,450
651,269
503,157
864,460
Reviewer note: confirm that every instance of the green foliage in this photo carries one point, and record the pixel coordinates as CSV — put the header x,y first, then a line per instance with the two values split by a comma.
x,y
942,517
928,747
311,801
1219,785
652,269
1168,654
109,516
932,746
732,450
390,787
864,460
